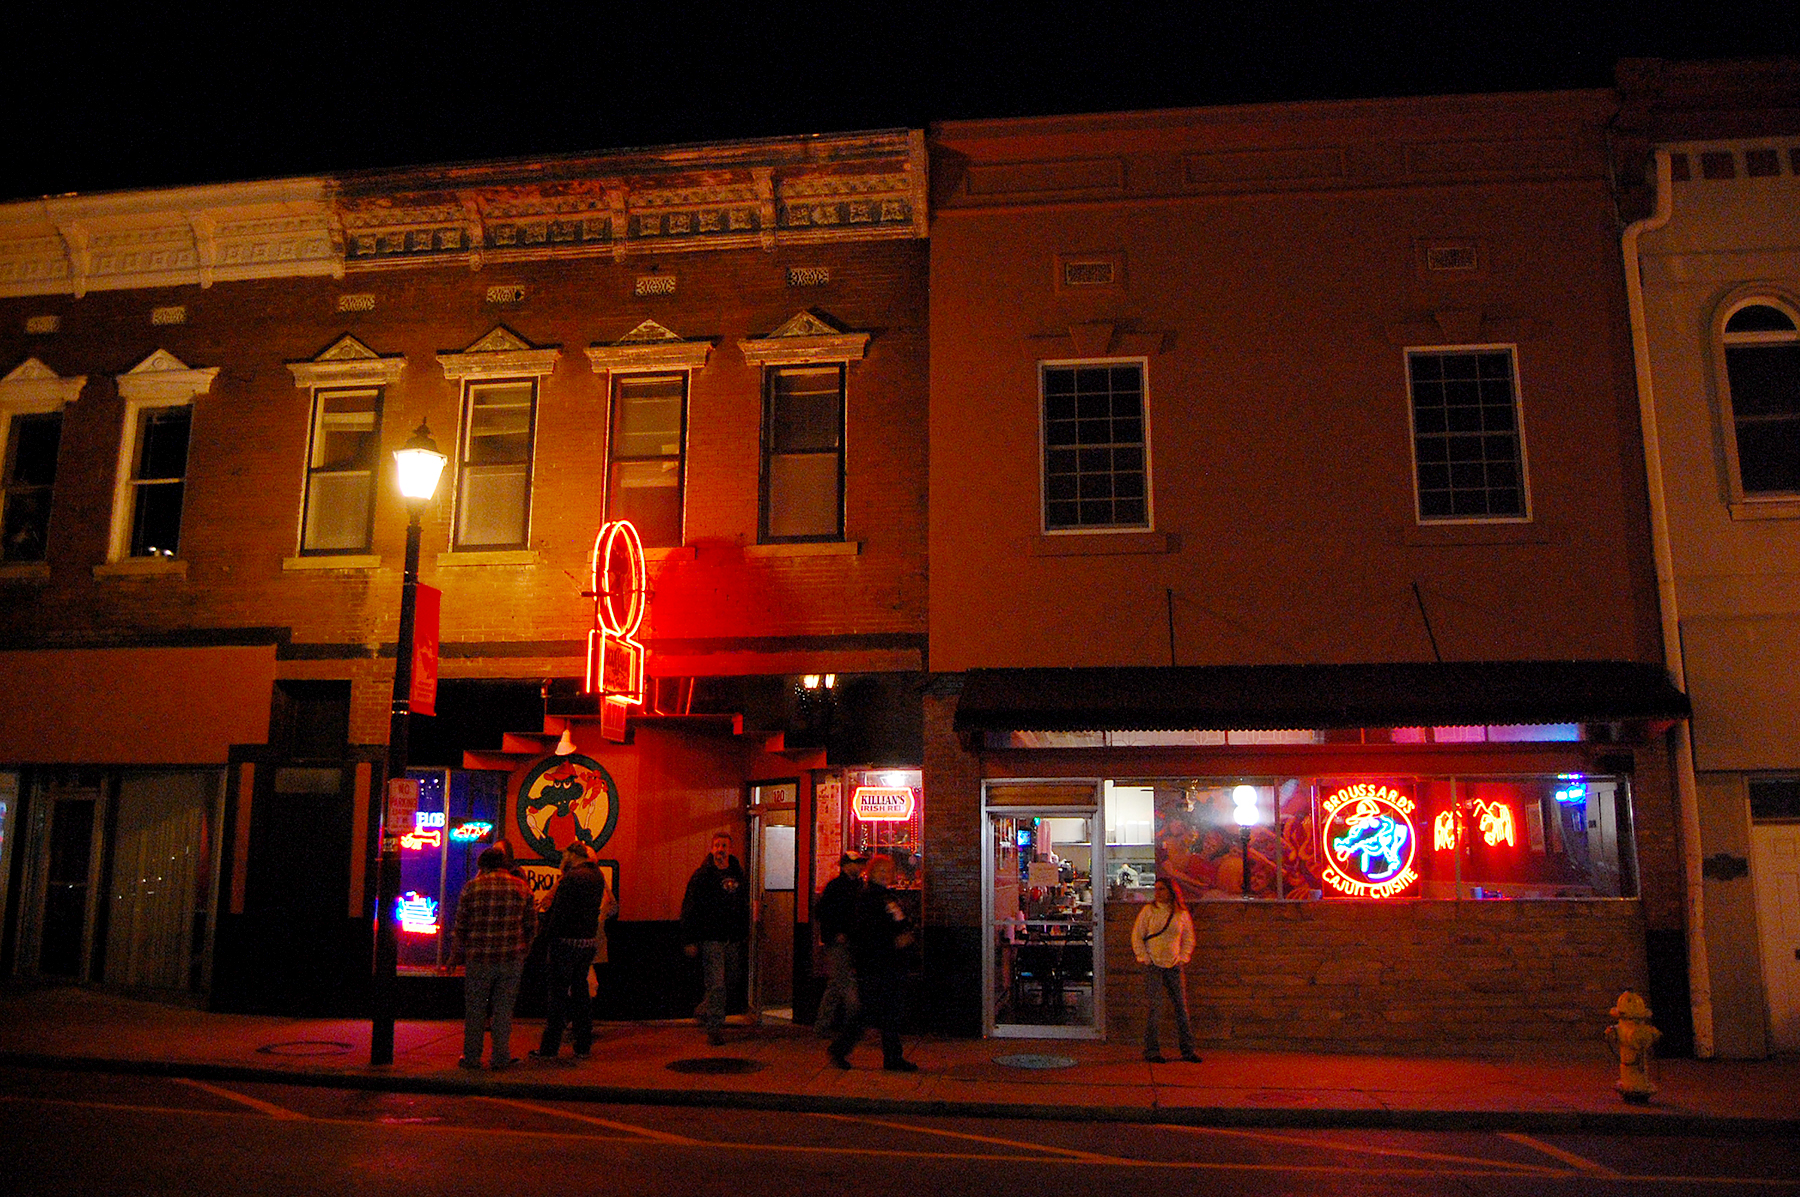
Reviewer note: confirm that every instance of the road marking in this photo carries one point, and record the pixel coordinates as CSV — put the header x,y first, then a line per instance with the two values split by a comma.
x,y
1288,1140
644,1131
1568,1157
1069,1152
255,1103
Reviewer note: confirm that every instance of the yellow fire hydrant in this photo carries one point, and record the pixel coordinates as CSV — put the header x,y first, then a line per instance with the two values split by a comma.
x,y
1633,1038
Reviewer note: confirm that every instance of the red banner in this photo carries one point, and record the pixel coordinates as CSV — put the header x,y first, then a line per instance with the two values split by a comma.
x,y
423,699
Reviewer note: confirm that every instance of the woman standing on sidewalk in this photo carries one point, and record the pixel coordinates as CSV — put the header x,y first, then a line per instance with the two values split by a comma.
x,y
1163,941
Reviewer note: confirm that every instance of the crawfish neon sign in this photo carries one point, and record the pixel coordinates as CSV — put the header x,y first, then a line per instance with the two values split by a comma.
x,y
1368,841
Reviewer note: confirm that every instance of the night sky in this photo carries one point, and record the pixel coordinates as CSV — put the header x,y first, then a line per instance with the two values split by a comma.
x,y
102,99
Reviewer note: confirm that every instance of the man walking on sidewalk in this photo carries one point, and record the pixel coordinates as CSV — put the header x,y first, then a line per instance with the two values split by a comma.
x,y
836,916
879,940
715,922
494,922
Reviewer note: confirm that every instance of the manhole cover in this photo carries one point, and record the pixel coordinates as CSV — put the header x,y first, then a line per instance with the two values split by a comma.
x,y
304,1047
715,1065
1032,1060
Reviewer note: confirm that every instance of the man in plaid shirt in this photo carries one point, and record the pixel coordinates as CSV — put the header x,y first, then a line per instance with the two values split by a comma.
x,y
494,922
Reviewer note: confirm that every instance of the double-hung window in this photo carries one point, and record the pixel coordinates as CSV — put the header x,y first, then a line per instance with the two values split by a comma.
x,y
30,472
1468,450
341,471
1761,344
493,501
150,494
644,455
1096,446
803,453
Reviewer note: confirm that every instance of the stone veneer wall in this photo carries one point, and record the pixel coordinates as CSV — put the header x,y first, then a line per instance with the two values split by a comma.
x,y
1476,978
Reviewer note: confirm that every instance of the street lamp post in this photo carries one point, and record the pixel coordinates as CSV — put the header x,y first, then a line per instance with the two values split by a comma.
x,y
1243,800
419,464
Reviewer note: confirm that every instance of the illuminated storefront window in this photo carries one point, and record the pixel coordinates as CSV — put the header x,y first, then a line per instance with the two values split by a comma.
x,y
458,811
1527,837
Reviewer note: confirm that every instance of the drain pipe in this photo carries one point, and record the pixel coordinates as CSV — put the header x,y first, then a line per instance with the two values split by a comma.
x,y
1687,787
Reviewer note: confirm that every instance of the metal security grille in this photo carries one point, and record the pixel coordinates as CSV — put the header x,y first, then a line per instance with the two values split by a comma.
x,y
1466,435
1094,447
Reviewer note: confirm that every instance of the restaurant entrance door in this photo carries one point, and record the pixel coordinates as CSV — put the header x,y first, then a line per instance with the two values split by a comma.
x,y
1043,970
771,856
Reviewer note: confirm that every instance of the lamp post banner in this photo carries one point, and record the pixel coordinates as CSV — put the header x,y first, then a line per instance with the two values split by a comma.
x,y
422,700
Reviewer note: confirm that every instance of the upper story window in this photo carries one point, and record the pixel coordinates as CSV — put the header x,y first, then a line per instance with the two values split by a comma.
x,y
499,375
1096,460
32,397
1468,452
803,453
151,491
493,500
645,455
341,471
1761,397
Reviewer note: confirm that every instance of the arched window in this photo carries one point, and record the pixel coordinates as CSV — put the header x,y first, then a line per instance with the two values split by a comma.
x,y
1761,342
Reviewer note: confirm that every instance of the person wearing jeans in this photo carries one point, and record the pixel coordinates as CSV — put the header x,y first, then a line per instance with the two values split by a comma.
x,y
1163,941
715,922
494,922
575,927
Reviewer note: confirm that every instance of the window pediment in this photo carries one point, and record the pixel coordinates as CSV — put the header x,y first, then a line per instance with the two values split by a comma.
x,y
502,353
164,378
34,387
649,346
806,337
348,363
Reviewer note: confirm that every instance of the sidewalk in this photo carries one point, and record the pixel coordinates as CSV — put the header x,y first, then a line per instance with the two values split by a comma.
x,y
778,1066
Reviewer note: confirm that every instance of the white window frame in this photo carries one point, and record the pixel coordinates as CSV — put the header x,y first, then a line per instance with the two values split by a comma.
x,y
1043,431
33,389
1511,350
348,365
1760,297
649,350
501,356
160,380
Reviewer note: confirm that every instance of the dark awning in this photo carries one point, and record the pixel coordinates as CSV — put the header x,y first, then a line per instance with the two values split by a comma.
x,y
1316,696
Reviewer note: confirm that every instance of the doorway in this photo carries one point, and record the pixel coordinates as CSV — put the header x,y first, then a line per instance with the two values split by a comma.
x,y
771,824
1044,968
1775,868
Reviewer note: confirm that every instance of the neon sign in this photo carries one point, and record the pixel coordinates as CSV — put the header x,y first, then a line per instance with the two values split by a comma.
x,y
423,839
882,804
615,668
470,830
1443,831
428,818
1495,822
1368,841
417,913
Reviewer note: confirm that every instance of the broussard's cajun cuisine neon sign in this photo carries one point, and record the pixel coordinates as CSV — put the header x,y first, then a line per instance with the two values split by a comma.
x,y
1368,841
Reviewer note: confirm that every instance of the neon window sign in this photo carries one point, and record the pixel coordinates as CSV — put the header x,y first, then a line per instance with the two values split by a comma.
x,y
1368,841
615,667
417,840
1494,820
418,914
1444,831
470,830
882,804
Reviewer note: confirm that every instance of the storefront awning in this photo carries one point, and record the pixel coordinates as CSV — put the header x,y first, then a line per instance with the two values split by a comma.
x,y
1316,696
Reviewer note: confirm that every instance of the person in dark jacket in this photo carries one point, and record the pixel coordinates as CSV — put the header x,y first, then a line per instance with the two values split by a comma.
x,y
835,915
715,922
879,940
573,928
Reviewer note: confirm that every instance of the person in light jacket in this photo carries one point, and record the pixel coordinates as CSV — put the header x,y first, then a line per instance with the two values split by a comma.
x,y
1163,941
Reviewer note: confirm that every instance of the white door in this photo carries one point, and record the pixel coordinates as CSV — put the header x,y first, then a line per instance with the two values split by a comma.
x,y
1775,868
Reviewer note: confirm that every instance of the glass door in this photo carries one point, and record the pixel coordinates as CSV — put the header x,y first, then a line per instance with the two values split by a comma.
x,y
1045,965
772,888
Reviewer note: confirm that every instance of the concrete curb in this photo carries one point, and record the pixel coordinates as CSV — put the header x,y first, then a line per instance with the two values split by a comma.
x,y
1652,1121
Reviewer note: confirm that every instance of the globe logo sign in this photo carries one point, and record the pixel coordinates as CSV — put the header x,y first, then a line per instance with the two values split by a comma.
x,y
1369,841
565,800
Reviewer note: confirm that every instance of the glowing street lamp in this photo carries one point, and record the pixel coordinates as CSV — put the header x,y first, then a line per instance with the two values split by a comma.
x,y
419,466
1243,802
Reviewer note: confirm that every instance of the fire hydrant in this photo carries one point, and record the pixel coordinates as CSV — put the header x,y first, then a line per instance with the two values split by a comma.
x,y
1634,1039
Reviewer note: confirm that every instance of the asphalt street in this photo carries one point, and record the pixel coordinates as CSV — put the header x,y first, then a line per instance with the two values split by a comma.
x,y
87,1133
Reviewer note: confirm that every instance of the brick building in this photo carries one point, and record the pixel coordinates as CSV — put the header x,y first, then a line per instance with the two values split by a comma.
x,y
1288,540
725,344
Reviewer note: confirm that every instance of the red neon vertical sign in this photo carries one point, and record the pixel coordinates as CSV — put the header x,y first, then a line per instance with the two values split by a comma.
x,y
615,658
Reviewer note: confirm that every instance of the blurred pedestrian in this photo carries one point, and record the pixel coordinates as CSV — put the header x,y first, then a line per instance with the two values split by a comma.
x,y
835,915
715,922
494,923
1163,941
879,940
573,927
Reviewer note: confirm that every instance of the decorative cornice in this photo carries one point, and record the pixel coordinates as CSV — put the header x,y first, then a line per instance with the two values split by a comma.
x,y
70,245
502,353
34,387
163,378
805,338
649,346
348,363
